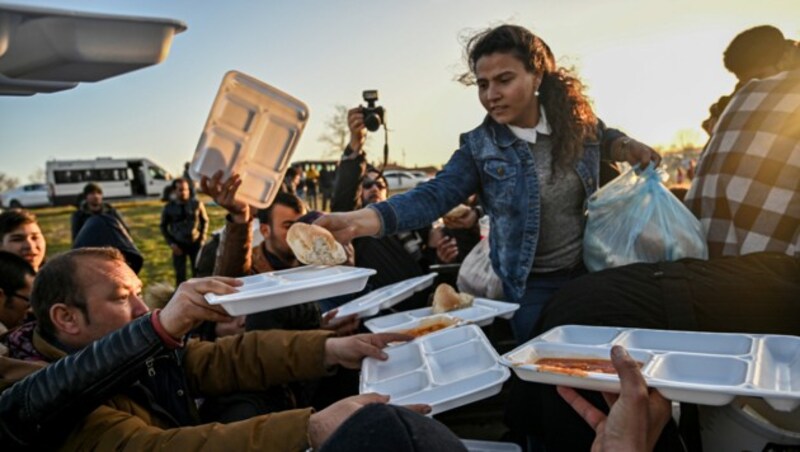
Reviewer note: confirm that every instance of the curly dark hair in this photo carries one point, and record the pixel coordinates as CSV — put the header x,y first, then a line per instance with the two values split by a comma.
x,y
569,111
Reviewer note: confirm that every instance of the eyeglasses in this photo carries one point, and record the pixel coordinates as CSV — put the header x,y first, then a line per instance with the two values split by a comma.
x,y
23,297
369,183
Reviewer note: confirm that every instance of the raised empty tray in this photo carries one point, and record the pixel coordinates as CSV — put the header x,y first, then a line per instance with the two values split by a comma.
x,y
55,45
252,129
385,297
685,366
445,370
482,313
279,289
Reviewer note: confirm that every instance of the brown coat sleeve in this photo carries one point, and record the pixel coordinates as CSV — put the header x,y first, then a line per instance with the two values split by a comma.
x,y
254,361
108,428
234,254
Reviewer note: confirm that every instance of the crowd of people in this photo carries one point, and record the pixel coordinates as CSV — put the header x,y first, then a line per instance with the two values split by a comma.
x,y
86,364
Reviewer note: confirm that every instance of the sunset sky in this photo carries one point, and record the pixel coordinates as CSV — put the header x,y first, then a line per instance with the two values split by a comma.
x,y
652,67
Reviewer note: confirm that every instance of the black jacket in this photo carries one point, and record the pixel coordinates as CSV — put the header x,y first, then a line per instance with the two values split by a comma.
x,y
107,230
184,223
82,215
40,411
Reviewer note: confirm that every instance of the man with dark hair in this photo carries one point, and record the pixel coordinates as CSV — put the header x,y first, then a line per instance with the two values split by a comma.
x,y
93,204
16,280
237,257
184,224
158,410
755,53
20,234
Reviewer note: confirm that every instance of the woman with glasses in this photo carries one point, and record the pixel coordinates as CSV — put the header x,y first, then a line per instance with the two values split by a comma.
x,y
534,161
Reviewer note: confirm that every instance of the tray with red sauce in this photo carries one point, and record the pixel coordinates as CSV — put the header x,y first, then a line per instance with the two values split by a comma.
x,y
685,366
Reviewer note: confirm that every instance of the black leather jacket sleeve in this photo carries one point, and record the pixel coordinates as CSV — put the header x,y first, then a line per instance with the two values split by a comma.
x,y
347,183
42,409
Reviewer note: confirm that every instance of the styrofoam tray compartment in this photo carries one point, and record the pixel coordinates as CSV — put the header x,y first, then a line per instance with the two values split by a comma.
x,y
385,297
445,370
686,366
482,313
252,129
70,46
522,361
473,445
274,290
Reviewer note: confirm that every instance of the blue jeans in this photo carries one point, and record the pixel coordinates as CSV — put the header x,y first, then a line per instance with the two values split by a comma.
x,y
538,291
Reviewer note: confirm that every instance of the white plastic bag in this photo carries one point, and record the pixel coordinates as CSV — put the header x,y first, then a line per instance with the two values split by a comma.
x,y
476,275
634,218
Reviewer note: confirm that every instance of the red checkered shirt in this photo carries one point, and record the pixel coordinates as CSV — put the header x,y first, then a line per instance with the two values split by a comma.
x,y
747,189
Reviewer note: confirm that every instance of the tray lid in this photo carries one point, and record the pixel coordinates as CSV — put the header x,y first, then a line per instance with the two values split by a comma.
x,y
252,129
386,296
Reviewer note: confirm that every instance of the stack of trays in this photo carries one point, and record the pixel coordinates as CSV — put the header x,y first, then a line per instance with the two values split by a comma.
x,y
445,370
482,313
703,368
279,289
384,298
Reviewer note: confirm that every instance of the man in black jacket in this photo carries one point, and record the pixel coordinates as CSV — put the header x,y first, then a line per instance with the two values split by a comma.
x,y
184,224
92,204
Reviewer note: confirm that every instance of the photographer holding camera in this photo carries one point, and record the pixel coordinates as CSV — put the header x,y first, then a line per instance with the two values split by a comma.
x,y
352,168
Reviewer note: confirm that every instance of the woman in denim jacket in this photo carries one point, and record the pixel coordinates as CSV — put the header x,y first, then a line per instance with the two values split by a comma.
x,y
534,162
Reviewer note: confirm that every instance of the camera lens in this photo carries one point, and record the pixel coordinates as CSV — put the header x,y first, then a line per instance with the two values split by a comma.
x,y
372,121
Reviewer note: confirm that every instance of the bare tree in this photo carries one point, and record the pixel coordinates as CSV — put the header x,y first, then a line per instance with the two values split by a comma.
x,y
37,176
336,133
7,182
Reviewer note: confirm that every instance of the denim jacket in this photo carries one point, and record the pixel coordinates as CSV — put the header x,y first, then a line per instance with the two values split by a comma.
x,y
494,163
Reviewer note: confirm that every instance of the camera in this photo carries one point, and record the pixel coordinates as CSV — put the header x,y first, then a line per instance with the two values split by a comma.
x,y
373,115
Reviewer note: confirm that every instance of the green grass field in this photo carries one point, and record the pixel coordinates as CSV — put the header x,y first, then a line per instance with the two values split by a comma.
x,y
142,218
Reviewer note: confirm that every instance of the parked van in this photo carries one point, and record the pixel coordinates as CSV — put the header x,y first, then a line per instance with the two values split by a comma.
x,y
119,178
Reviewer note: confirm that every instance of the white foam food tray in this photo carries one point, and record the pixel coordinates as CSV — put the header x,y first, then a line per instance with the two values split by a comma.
x,y
385,297
279,289
473,445
685,366
445,369
482,313
252,129
70,46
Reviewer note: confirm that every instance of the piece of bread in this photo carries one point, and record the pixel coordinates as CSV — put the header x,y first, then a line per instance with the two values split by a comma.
x,y
457,212
447,299
314,245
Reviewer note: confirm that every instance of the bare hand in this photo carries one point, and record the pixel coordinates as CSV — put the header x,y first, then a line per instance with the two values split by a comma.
x,y
636,153
344,326
188,307
637,415
345,226
224,194
176,250
231,328
322,424
446,249
358,132
350,351
465,221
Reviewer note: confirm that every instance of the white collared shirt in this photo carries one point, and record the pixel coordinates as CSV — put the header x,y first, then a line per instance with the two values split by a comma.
x,y
529,134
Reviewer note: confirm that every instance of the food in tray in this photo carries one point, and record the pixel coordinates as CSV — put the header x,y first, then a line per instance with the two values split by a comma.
x,y
457,212
431,325
447,299
576,366
314,245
